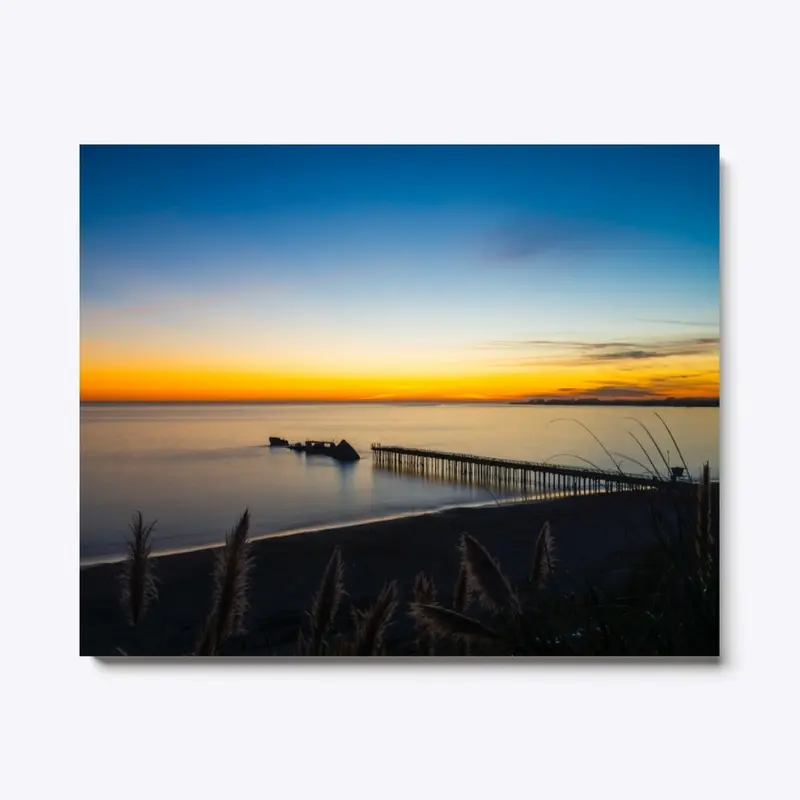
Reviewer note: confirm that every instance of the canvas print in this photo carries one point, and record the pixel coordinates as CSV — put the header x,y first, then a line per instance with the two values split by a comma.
x,y
399,401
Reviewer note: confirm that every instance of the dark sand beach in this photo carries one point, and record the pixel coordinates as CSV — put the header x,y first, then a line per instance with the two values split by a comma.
x,y
597,538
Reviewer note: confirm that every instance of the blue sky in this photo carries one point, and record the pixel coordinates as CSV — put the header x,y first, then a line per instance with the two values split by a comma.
x,y
419,253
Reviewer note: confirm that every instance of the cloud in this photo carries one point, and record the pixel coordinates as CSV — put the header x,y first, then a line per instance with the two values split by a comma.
x,y
581,352
626,355
521,239
688,376
532,237
516,343
683,322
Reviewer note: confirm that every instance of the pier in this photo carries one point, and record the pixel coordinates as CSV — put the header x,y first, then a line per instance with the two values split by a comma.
x,y
525,476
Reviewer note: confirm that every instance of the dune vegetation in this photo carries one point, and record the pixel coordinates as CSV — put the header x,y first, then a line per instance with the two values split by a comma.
x,y
667,603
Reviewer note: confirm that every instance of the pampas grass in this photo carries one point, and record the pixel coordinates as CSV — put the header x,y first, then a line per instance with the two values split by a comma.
x,y
231,581
461,593
486,578
544,558
371,625
324,607
424,589
446,623
704,536
138,578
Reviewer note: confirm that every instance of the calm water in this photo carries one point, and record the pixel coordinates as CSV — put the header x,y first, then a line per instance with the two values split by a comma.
x,y
196,467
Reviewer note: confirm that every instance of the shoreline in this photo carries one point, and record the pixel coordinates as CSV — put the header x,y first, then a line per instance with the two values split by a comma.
x,y
597,537
99,561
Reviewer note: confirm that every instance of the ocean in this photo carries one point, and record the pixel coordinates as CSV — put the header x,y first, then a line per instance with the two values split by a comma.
x,y
195,467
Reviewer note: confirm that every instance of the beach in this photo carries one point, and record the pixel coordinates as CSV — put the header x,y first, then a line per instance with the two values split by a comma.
x,y
596,538
193,468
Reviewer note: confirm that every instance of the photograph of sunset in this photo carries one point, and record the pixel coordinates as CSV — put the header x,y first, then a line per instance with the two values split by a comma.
x,y
399,400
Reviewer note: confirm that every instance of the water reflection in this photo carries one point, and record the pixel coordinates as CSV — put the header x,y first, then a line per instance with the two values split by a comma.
x,y
197,468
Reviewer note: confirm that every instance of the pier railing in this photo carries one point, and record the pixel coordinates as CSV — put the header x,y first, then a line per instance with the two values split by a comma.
x,y
484,470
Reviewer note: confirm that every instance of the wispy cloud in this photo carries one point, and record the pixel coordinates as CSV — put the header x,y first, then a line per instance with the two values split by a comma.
x,y
581,352
627,355
659,379
525,343
682,322
520,240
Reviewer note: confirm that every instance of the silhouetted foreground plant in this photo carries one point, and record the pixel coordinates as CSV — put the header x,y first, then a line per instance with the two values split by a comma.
x,y
424,592
480,574
369,626
446,623
138,578
231,580
669,606
544,557
486,579
324,608
461,595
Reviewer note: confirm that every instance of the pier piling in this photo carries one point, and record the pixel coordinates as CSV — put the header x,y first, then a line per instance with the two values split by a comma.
x,y
525,476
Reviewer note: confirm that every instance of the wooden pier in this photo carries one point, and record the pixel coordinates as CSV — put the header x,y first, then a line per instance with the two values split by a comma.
x,y
527,477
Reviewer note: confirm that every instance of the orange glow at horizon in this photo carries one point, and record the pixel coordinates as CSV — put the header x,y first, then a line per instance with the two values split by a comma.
x,y
692,377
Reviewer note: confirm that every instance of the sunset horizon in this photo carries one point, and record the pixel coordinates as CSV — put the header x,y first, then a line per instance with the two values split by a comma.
x,y
336,274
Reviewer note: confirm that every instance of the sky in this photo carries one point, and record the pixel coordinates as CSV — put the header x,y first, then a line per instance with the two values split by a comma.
x,y
311,273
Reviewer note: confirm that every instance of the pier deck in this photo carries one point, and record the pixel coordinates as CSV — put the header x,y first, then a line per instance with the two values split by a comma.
x,y
482,470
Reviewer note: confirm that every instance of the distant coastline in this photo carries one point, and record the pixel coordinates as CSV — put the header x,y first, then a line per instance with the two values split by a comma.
x,y
670,402
689,402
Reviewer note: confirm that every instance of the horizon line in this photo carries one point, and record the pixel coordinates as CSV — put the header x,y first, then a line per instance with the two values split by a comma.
x,y
433,401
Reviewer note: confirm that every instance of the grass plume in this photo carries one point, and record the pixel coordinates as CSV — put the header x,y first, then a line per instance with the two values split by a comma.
x,y
461,594
704,536
486,578
544,558
371,625
450,624
138,578
424,589
231,581
325,604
